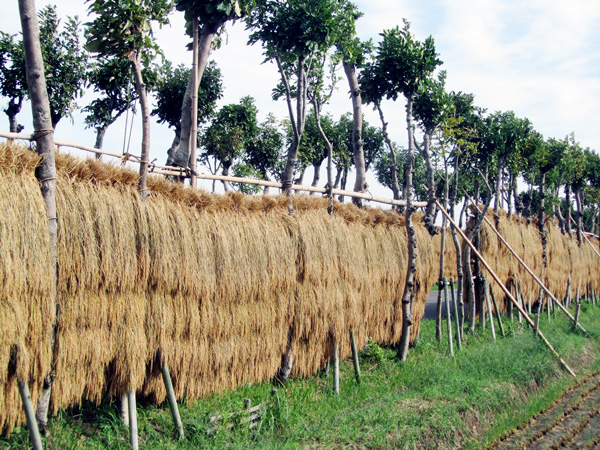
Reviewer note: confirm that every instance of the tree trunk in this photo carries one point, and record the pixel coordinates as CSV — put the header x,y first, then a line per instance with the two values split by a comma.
x,y
171,151
457,246
429,218
408,295
360,185
498,196
338,177
394,168
140,88
46,171
579,215
226,167
568,209
100,132
297,124
181,156
316,175
13,108
438,317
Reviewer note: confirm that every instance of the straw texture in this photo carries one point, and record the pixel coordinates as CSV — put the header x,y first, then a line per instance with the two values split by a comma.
x,y
211,284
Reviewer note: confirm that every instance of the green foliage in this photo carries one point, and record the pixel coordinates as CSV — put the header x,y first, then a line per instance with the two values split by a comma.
x,y
122,27
383,171
233,126
295,28
264,151
213,14
246,171
65,62
372,352
171,89
403,64
13,79
111,79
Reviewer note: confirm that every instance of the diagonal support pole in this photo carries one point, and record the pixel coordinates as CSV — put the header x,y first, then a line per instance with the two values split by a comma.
x,y
526,267
506,291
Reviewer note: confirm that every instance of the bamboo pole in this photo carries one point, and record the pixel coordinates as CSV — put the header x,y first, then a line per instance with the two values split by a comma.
x,y
336,369
489,306
177,171
133,428
172,400
456,316
526,267
34,432
518,297
194,118
498,317
355,357
577,312
448,318
506,291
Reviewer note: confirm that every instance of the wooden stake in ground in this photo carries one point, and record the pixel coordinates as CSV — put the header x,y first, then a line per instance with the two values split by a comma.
x,y
506,291
498,318
456,316
336,368
133,428
489,306
577,312
355,357
448,318
172,400
34,433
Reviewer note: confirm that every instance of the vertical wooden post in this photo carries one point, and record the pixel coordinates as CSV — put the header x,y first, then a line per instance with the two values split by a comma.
x,y
518,297
456,316
34,433
448,318
577,312
171,399
194,118
537,323
530,302
133,428
548,307
481,303
498,318
355,357
489,306
577,297
336,368
125,409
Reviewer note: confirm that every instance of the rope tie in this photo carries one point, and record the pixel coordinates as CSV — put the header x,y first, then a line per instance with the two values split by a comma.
x,y
41,133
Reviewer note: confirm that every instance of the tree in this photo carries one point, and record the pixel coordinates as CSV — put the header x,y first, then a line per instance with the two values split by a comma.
x,y
46,171
65,61
13,81
264,151
432,107
405,64
293,33
110,77
170,93
352,53
226,138
123,29
211,16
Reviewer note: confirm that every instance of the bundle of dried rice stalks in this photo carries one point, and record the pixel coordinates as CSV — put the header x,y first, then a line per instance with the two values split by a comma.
x,y
212,285
564,258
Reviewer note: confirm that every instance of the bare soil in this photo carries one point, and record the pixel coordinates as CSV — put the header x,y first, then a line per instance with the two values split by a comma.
x,y
572,421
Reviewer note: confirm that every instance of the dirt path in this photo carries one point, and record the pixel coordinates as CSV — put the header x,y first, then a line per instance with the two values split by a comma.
x,y
573,421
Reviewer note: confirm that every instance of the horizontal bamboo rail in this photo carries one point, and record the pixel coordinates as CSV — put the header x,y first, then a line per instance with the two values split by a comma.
x,y
182,172
504,288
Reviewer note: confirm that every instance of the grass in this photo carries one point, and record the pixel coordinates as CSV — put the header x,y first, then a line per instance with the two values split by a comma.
x,y
430,401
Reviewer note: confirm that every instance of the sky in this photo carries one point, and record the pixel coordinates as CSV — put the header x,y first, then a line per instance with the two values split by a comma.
x,y
538,58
